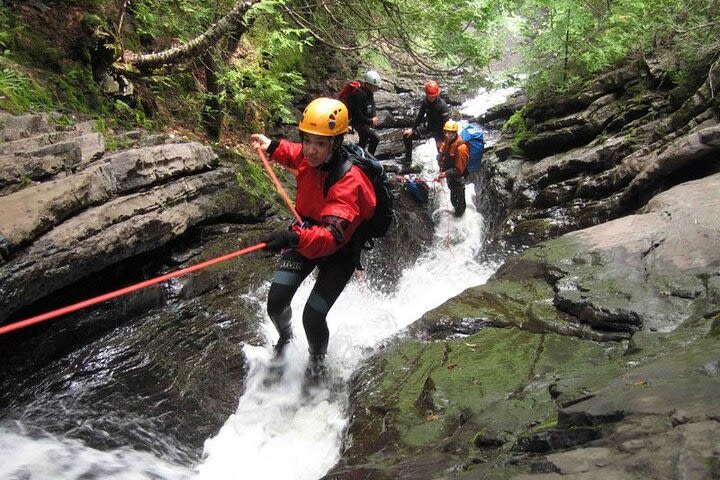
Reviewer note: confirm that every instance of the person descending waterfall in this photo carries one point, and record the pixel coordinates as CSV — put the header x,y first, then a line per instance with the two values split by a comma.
x,y
328,238
431,117
363,113
452,160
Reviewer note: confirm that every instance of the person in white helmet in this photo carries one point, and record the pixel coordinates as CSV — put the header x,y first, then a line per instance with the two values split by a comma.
x,y
363,116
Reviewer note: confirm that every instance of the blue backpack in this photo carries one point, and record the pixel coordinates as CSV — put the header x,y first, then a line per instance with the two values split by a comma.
x,y
475,138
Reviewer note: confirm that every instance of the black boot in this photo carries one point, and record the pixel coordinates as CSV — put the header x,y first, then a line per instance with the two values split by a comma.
x,y
283,341
316,371
276,368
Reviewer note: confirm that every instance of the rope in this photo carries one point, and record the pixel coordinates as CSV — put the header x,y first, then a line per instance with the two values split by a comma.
x,y
139,286
124,291
275,180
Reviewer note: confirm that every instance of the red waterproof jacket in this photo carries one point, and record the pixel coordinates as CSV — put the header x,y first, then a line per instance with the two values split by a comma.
x,y
351,199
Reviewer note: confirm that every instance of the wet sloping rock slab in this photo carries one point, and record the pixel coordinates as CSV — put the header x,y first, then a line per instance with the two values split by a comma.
x,y
160,370
568,163
670,425
652,270
63,217
575,340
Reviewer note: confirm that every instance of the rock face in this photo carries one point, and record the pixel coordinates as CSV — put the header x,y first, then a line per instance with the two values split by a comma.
x,y
593,350
79,220
571,163
69,208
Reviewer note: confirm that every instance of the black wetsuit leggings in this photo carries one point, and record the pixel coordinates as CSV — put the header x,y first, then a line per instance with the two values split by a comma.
x,y
420,133
334,272
457,194
367,137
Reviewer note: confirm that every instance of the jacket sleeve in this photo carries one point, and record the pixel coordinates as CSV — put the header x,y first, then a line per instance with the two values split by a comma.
x,y
462,157
420,116
286,153
446,113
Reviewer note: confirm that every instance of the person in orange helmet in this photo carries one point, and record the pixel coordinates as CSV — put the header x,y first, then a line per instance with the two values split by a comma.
x,y
453,159
328,239
431,117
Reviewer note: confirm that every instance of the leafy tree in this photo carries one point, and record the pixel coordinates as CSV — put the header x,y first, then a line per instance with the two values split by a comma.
x,y
567,41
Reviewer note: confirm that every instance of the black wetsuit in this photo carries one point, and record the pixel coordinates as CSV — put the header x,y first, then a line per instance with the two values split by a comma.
x,y
361,106
428,124
334,269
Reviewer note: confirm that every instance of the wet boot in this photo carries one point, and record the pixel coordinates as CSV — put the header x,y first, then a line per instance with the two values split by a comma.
x,y
284,329
276,368
316,372
282,343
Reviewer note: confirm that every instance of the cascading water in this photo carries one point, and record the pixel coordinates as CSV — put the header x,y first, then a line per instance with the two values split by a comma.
x,y
277,432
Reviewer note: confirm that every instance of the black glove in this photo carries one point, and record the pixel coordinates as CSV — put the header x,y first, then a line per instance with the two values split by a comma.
x,y
280,240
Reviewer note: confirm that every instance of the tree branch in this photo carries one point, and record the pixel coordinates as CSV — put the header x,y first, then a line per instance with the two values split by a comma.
x,y
194,47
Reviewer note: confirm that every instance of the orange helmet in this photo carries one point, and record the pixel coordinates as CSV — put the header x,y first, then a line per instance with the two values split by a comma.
x,y
432,88
323,116
451,126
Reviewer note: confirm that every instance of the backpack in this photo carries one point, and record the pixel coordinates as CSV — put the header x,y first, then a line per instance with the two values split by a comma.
x,y
345,91
379,224
475,138
418,189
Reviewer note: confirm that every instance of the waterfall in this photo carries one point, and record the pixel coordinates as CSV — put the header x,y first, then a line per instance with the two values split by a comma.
x,y
277,432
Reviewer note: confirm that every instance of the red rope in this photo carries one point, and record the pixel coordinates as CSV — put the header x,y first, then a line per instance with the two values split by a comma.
x,y
139,286
275,180
124,291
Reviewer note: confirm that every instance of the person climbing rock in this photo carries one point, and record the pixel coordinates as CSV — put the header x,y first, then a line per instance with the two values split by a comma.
x,y
452,160
431,117
328,239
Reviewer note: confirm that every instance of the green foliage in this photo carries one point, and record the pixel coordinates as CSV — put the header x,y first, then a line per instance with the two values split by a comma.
x,y
130,116
112,142
20,93
570,40
24,181
548,423
431,33
259,88
7,28
179,20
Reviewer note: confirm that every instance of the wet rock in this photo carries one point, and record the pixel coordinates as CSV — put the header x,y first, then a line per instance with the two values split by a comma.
x,y
554,439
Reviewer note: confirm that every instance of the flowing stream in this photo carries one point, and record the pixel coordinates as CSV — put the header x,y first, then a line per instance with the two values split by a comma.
x,y
276,431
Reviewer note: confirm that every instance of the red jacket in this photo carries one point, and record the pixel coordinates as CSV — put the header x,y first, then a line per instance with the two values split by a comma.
x,y
351,198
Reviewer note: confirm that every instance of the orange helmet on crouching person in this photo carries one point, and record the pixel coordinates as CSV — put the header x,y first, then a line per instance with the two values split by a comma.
x,y
324,116
432,89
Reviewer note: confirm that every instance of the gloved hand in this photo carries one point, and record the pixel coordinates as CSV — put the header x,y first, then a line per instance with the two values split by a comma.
x,y
280,240
451,172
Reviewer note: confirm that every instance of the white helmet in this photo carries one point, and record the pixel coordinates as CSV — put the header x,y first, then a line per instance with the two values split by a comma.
x,y
373,78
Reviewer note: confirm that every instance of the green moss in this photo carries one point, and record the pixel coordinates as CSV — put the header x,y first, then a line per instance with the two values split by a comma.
x,y
517,125
498,377
548,423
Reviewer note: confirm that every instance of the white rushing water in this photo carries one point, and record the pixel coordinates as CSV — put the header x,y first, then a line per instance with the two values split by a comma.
x,y
276,432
